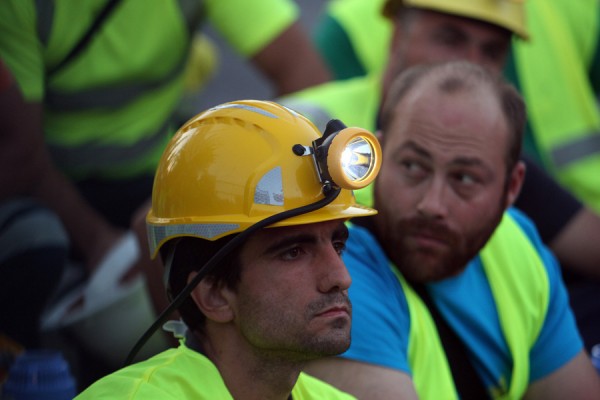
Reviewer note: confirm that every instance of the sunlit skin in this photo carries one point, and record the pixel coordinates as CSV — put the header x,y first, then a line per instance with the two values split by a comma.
x,y
293,299
290,305
442,186
431,37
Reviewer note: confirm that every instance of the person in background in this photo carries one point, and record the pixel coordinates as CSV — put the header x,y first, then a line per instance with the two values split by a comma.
x,y
426,31
24,288
562,133
268,298
104,112
101,81
454,294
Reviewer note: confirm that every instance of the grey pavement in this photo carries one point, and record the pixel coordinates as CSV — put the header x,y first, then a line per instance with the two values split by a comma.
x,y
236,78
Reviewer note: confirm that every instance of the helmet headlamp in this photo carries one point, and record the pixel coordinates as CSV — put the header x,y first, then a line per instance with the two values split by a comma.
x,y
347,158
201,187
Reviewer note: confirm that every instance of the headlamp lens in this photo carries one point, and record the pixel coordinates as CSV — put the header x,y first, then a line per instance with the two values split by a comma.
x,y
357,159
353,158
347,158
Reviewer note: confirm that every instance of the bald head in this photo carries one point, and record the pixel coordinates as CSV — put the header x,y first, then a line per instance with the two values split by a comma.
x,y
454,78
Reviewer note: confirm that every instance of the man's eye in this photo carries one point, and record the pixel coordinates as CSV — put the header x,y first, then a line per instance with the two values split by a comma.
x,y
339,247
412,168
466,185
466,179
292,254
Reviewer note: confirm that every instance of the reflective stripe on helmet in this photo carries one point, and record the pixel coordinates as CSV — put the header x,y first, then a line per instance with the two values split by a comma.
x,y
245,107
158,233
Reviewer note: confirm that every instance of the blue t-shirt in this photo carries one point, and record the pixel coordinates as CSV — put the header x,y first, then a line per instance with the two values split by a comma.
x,y
381,321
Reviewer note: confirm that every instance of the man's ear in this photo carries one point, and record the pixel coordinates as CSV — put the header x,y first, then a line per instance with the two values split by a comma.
x,y
213,299
515,183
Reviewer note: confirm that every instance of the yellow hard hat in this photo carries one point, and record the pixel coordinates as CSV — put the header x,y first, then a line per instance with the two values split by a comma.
x,y
509,14
241,162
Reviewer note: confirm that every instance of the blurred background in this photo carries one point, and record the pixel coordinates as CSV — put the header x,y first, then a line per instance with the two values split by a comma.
x,y
235,78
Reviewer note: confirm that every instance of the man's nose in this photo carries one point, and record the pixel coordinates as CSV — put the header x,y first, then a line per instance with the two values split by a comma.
x,y
433,203
334,275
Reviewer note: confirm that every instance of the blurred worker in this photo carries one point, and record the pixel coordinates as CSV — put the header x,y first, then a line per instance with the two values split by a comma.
x,y
101,81
558,72
103,105
29,275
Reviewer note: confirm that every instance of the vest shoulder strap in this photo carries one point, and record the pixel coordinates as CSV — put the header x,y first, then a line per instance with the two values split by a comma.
x,y
102,16
520,287
432,376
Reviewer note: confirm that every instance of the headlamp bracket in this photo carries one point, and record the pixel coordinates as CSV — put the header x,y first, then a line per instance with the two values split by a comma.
x,y
319,150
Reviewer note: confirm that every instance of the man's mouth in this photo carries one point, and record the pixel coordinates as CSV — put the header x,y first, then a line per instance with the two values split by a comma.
x,y
335,311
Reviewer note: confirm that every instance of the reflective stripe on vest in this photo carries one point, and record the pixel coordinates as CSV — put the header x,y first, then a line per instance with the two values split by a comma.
x,y
562,106
114,96
192,11
103,155
127,149
107,97
520,289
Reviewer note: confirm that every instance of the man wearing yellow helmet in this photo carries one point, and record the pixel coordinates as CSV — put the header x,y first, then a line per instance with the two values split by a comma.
x,y
510,351
101,82
262,302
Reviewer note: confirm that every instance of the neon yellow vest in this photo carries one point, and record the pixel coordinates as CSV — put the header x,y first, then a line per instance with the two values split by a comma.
x,y
183,373
552,70
520,288
353,101
106,112
562,106
367,29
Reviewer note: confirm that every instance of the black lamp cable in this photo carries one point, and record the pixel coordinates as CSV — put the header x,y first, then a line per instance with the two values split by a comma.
x,y
330,192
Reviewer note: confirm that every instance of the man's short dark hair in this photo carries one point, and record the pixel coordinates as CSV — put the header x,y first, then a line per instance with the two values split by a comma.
x,y
191,254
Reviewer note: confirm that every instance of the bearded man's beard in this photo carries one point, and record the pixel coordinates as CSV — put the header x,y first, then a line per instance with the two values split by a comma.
x,y
429,264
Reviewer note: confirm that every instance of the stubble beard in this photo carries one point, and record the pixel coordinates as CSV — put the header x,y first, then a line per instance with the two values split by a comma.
x,y
285,338
421,265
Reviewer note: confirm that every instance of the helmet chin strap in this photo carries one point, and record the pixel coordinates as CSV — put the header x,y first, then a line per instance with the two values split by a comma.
x,y
331,193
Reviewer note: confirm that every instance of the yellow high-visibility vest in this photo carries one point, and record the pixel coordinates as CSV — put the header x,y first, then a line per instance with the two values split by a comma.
x,y
563,110
521,292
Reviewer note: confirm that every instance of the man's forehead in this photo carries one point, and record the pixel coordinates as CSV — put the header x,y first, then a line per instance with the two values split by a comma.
x,y
447,81
272,240
317,228
436,97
